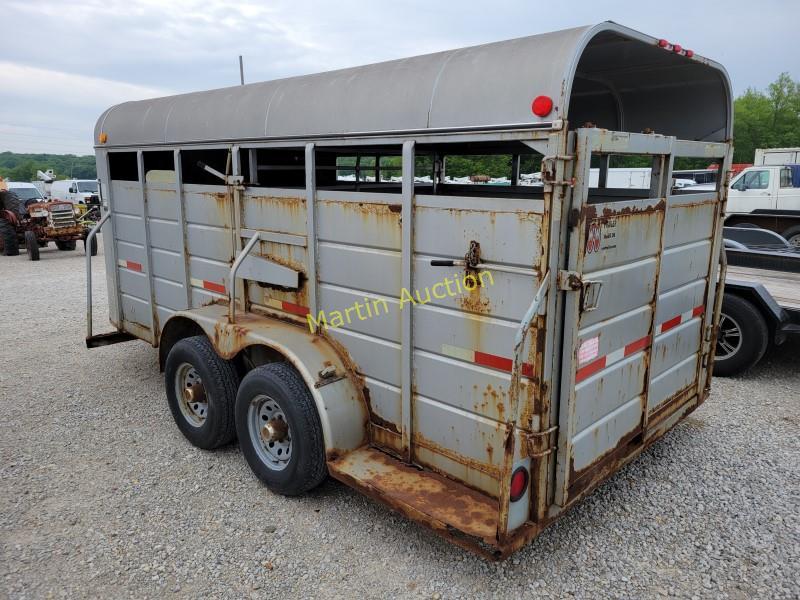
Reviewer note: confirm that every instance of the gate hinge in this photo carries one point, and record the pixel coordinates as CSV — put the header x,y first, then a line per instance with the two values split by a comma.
x,y
541,443
548,169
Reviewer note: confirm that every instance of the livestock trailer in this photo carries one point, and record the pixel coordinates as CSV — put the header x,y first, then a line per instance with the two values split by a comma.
x,y
477,357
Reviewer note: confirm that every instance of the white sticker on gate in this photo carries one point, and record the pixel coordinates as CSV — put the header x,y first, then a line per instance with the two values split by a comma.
x,y
589,349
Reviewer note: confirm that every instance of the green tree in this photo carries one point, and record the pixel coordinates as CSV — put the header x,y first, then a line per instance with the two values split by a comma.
x,y
768,119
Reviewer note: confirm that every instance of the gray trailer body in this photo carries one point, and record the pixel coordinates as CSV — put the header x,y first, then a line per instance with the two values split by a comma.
x,y
589,332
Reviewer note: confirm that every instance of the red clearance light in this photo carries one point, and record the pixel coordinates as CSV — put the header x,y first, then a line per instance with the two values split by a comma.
x,y
690,53
663,43
676,47
542,105
519,484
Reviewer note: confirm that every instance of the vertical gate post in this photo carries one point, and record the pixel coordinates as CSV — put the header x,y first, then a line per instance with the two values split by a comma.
x,y
407,280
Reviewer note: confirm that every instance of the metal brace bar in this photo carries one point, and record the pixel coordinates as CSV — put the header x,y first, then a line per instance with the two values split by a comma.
x,y
525,324
232,276
88,246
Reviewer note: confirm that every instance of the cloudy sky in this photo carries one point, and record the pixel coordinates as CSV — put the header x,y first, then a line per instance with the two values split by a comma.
x,y
63,63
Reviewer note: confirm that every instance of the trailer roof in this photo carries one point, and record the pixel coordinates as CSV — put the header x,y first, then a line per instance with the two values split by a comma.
x,y
606,74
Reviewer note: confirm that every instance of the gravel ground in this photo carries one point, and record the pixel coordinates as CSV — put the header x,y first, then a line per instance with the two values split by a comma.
x,y
100,495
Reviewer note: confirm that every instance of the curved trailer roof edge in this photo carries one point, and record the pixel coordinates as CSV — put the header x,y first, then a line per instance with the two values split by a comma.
x,y
607,75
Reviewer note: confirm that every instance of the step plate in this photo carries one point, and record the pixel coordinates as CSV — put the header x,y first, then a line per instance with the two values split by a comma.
x,y
423,496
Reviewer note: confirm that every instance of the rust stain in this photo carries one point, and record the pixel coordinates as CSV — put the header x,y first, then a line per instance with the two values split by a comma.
x,y
489,469
374,417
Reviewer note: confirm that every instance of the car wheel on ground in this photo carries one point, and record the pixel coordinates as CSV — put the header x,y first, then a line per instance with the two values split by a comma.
x,y
742,338
279,430
792,235
66,245
201,392
31,245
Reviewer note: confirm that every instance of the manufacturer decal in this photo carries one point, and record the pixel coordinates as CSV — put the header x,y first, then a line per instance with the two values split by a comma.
x,y
602,235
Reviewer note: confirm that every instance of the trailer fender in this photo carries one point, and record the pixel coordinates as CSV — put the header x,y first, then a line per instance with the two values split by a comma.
x,y
324,365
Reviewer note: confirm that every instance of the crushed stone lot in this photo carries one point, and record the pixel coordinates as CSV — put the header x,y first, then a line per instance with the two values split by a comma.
x,y
101,496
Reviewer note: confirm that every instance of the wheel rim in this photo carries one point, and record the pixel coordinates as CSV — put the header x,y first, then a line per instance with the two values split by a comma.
x,y
729,338
795,240
191,395
270,432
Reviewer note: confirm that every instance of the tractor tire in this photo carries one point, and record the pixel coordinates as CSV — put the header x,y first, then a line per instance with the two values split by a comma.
x,y
31,245
8,238
68,245
10,201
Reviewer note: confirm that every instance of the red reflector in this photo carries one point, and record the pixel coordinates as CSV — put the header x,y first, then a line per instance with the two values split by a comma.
x,y
690,53
663,43
677,48
519,484
541,106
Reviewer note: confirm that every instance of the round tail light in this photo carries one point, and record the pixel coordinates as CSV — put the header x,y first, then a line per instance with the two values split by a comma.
x,y
519,483
542,105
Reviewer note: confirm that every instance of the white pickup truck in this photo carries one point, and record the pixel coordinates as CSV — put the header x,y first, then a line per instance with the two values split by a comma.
x,y
767,196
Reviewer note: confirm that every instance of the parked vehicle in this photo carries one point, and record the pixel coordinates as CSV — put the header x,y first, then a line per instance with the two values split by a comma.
x,y
761,305
32,222
776,156
77,191
28,193
767,197
477,357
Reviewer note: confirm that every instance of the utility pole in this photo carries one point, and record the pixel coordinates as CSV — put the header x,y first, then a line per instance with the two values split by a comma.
x,y
241,69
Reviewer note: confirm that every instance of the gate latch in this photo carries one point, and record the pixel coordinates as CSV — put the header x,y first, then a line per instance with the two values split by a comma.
x,y
591,290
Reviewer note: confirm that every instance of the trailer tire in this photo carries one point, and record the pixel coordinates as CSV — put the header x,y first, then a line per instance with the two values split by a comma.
x,y
276,416
742,338
8,236
792,235
203,408
31,245
67,245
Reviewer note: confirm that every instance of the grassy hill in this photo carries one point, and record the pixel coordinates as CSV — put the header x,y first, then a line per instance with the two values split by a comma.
x,y
23,167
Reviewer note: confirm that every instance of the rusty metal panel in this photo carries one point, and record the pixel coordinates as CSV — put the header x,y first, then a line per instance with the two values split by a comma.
x,y
689,231
269,209
615,250
499,223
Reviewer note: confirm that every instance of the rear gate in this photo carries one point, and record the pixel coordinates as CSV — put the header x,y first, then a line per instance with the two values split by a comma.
x,y
635,333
